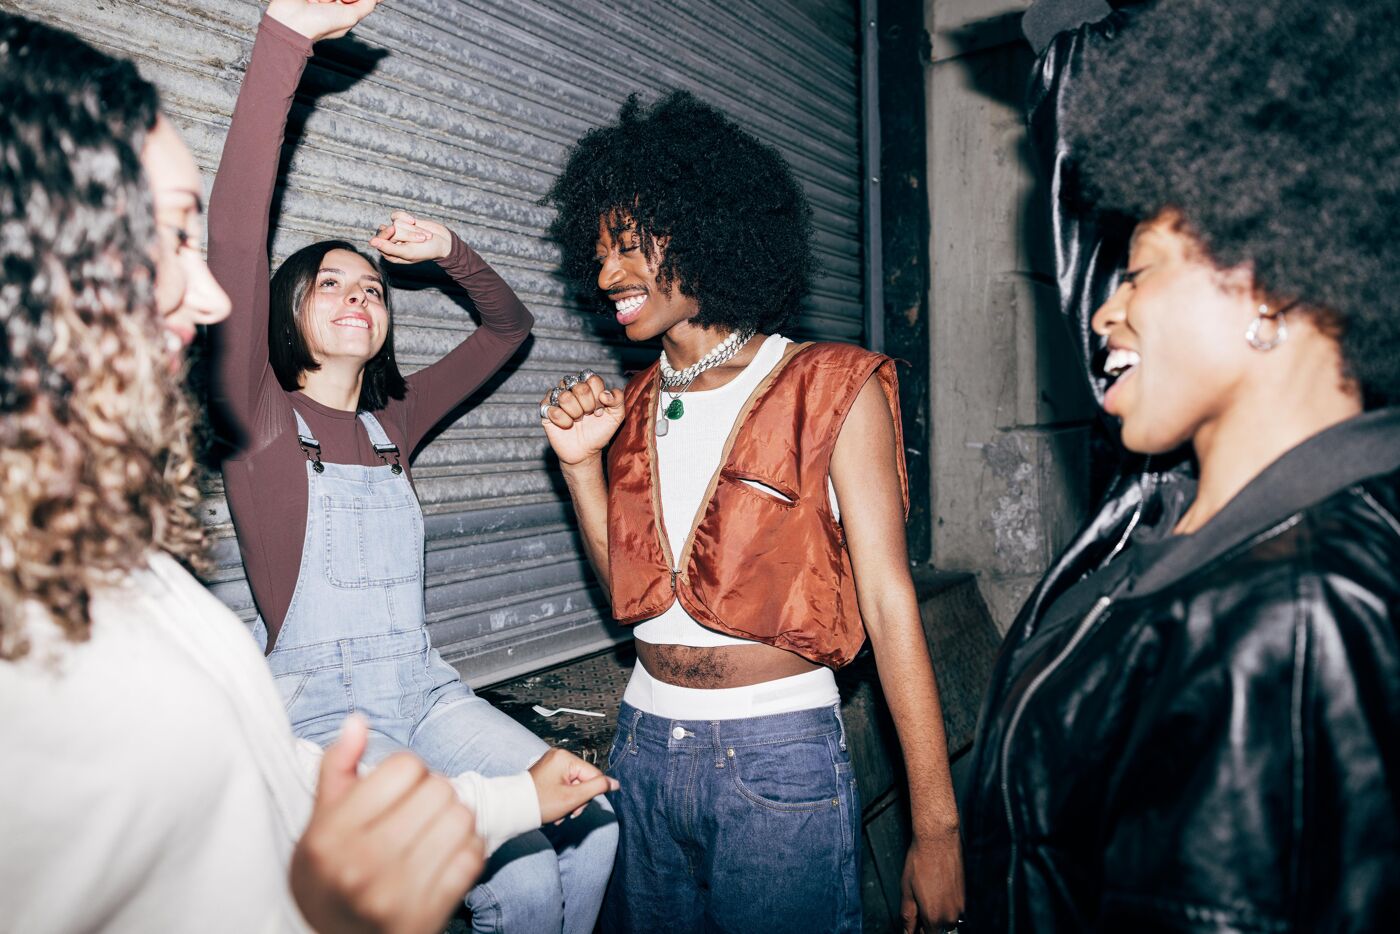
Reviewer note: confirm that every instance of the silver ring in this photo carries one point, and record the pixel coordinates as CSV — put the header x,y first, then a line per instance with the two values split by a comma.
x,y
544,411
554,395
569,382
585,375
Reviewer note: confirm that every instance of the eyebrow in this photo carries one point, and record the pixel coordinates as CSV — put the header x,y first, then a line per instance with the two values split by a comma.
x,y
342,272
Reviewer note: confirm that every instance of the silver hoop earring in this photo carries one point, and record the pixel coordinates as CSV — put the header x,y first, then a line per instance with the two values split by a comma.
x,y
1251,334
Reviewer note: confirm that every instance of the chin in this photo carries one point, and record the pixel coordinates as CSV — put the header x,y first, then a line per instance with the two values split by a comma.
x,y
1144,440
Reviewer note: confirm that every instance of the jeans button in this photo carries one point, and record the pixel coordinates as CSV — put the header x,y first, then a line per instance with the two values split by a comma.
x,y
678,733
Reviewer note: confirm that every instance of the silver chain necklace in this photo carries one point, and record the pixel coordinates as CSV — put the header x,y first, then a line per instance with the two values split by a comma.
x,y
681,380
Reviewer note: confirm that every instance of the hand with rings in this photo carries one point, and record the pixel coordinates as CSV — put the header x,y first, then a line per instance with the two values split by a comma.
x,y
580,416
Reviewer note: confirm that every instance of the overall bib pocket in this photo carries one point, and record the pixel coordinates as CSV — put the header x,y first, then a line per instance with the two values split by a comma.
x,y
360,537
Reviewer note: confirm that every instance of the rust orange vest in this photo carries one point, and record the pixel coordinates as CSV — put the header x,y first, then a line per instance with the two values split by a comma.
x,y
756,566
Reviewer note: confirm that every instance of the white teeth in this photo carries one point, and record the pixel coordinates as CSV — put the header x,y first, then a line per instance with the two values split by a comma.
x,y
1120,360
353,323
627,305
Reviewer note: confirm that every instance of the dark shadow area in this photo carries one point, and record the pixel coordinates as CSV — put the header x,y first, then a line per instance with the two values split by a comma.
x,y
905,233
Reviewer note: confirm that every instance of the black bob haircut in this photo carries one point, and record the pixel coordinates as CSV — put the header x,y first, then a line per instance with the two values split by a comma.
x,y
287,348
736,222
1273,129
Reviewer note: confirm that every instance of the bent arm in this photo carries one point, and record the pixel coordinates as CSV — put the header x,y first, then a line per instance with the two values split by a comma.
x,y
588,488
239,213
505,807
505,323
864,470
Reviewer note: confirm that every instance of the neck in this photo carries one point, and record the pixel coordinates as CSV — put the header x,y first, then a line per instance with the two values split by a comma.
x,y
336,386
686,342
1268,420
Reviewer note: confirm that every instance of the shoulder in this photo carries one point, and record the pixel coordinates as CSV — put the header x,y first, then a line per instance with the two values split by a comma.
x,y
830,355
641,381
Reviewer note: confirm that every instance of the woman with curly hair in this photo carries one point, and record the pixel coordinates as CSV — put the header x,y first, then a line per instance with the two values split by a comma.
x,y
750,524
1195,723
151,781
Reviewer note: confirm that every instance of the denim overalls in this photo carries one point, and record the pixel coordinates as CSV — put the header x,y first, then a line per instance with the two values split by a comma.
x,y
355,639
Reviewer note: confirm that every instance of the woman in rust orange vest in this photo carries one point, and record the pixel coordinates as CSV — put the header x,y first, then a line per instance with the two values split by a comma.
x,y
749,521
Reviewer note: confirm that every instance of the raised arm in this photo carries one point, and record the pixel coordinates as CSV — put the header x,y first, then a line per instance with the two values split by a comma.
x,y
505,321
241,202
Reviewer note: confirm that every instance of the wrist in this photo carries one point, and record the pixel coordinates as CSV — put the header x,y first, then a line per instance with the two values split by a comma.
x,y
589,469
289,20
448,248
936,832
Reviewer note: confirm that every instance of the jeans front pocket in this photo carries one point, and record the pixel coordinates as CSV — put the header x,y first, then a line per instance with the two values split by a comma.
x,y
790,775
374,541
621,745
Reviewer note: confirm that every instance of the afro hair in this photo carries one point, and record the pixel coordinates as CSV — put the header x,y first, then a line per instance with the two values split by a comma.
x,y
737,224
1273,129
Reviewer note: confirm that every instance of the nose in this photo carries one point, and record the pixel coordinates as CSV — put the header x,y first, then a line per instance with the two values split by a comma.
x,y
1111,312
610,271
204,296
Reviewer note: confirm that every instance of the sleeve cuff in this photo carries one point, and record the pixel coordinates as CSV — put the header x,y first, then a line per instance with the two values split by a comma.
x,y
505,807
286,34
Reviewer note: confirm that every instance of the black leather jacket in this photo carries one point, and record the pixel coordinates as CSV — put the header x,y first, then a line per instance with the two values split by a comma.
x,y
1199,733
1214,745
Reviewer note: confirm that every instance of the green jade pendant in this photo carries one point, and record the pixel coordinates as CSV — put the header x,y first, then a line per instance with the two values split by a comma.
x,y
673,411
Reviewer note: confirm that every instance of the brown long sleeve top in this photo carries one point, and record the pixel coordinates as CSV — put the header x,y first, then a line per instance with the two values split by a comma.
x,y
265,479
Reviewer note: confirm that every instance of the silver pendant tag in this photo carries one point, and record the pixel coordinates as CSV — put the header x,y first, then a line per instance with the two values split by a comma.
x,y
663,425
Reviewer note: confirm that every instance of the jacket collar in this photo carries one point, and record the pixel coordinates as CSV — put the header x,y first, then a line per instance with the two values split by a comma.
x,y
1367,445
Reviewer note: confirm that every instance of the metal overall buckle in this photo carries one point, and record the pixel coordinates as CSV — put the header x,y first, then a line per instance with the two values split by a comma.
x,y
312,449
395,468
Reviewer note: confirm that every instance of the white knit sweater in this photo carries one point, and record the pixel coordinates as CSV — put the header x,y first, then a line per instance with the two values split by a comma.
x,y
149,778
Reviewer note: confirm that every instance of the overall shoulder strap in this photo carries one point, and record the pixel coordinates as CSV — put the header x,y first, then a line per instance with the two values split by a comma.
x,y
377,436
304,434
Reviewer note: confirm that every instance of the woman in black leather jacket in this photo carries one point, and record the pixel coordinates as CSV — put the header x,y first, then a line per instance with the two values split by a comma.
x,y
1194,724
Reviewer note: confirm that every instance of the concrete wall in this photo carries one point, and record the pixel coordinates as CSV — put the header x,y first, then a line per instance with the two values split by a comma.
x,y
1009,413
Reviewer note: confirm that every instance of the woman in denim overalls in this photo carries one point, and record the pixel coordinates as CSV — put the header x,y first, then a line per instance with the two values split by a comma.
x,y
328,522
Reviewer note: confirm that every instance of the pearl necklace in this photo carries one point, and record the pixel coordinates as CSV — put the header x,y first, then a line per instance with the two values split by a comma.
x,y
671,377
680,380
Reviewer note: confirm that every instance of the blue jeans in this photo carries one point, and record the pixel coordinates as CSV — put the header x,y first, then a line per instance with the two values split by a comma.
x,y
547,880
747,826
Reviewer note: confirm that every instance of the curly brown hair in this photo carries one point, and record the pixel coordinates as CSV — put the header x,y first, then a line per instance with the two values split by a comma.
x,y
96,455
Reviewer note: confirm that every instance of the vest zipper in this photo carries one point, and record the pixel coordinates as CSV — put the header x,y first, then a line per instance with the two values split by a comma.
x,y
1093,616
674,572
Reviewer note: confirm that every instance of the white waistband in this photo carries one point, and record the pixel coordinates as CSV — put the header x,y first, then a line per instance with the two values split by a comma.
x,y
784,695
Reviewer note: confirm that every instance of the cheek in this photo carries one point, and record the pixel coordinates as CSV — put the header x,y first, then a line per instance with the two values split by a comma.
x,y
170,283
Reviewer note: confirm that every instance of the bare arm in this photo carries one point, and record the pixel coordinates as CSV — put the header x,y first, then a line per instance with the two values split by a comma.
x,y
865,474
579,429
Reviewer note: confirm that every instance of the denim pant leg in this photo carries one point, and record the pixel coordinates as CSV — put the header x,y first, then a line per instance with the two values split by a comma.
x,y
547,880
735,826
653,887
783,834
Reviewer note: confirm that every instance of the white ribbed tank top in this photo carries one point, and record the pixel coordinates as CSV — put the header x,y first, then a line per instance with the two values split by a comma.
x,y
687,457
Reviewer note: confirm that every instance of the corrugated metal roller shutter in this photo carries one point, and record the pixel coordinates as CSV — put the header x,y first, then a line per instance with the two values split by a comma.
x,y
465,115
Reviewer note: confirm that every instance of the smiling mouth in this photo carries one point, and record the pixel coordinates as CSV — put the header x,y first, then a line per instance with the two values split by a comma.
x,y
629,308
1120,362
351,322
